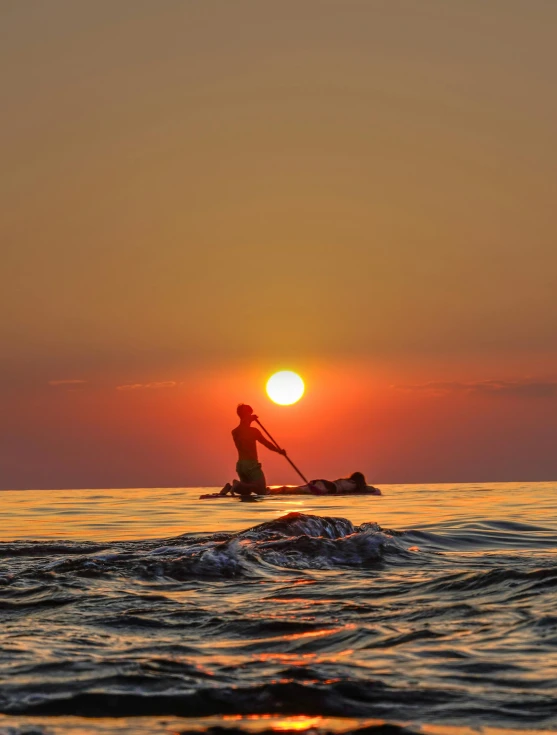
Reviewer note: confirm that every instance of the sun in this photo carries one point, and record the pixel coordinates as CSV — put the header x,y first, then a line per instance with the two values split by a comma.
x,y
285,387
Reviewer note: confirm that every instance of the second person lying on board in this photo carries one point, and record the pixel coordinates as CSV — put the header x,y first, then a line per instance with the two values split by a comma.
x,y
354,485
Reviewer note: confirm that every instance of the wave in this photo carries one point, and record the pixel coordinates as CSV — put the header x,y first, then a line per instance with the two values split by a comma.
x,y
483,535
511,584
295,541
262,725
121,696
46,548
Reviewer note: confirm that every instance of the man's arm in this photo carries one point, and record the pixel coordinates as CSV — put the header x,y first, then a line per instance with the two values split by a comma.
x,y
260,438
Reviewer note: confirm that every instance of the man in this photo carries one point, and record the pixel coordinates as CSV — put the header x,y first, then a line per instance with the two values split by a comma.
x,y
248,467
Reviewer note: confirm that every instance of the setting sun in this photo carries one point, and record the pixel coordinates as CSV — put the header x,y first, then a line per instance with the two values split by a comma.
x,y
285,387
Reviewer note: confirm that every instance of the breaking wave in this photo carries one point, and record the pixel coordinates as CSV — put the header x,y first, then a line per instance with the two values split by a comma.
x,y
296,542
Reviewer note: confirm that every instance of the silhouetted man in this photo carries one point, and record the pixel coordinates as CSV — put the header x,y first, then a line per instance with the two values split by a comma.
x,y
248,467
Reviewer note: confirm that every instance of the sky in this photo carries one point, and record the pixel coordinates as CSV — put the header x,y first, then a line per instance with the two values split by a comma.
x,y
196,194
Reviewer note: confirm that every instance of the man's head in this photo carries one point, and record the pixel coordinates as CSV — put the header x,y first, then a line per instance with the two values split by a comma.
x,y
359,479
244,411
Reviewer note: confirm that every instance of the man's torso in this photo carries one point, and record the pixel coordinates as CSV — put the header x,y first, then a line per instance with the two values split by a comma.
x,y
245,439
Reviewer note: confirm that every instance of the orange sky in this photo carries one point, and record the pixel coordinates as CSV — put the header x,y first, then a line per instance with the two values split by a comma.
x,y
197,194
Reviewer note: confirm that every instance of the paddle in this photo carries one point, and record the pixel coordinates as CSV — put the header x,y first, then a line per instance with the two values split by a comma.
x,y
257,421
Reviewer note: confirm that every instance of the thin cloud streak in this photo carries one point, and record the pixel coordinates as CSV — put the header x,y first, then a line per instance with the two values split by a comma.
x,y
148,386
72,381
522,388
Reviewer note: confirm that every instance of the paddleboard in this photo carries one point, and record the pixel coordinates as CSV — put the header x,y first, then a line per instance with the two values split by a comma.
x,y
242,498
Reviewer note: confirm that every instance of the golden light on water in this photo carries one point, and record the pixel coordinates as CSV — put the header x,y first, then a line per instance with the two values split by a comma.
x,y
285,387
297,723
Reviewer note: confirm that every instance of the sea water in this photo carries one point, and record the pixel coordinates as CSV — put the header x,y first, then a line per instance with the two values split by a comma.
x,y
148,610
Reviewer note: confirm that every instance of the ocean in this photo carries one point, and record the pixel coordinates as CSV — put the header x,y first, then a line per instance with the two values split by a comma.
x,y
430,609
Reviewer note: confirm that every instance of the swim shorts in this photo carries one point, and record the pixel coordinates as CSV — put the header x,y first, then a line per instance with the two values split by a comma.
x,y
250,471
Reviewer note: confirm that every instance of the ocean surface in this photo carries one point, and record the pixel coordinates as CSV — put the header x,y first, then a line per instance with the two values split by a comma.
x,y
431,608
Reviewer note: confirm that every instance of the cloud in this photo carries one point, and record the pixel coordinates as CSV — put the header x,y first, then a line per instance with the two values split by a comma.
x,y
148,386
522,388
66,382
